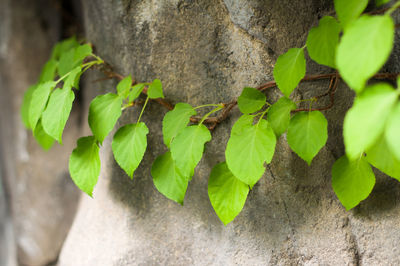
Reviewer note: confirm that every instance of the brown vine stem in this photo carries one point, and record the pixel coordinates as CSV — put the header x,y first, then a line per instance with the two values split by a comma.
x,y
215,120
331,92
378,12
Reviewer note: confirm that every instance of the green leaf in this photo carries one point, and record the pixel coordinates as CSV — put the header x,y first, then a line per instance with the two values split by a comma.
x,y
188,146
392,132
243,122
129,145
45,141
67,62
168,179
73,58
381,157
155,90
279,115
124,86
352,181
135,92
81,52
63,47
248,148
307,134
104,112
84,164
38,102
251,100
289,69
57,112
227,193
381,2
365,121
25,105
365,46
323,40
176,120
48,71
348,10
73,78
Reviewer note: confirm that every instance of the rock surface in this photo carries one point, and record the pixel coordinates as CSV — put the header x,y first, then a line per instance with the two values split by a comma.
x,y
42,198
206,52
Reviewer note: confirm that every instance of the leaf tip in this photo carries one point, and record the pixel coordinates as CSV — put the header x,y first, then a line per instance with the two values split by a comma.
x,y
226,222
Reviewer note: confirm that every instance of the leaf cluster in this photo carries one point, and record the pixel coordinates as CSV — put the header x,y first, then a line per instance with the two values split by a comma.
x,y
355,45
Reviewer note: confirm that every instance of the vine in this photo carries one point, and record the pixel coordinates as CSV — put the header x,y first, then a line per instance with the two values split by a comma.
x,y
356,45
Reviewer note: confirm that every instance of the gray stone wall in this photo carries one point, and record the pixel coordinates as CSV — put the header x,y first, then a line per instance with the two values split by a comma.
x,y
204,51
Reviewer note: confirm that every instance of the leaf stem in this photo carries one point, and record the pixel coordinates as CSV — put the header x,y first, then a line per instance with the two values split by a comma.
x,y
63,77
207,105
220,106
91,63
98,58
305,100
87,65
141,112
127,106
393,8
262,115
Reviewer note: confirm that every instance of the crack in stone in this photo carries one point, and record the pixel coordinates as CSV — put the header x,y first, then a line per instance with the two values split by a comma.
x,y
353,245
270,171
289,221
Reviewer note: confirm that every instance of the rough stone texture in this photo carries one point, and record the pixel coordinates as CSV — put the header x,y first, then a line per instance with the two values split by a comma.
x,y
42,199
206,51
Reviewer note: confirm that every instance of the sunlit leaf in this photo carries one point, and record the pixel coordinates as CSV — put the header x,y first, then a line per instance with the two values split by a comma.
x,y
129,145
168,179
188,146
307,134
176,120
227,193
352,181
57,112
249,148
279,115
364,48
38,102
365,121
25,105
45,141
323,40
124,86
84,164
289,69
349,10
381,157
251,100
104,112
155,90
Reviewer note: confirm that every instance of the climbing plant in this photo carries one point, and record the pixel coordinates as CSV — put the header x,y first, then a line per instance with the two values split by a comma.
x,y
354,43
